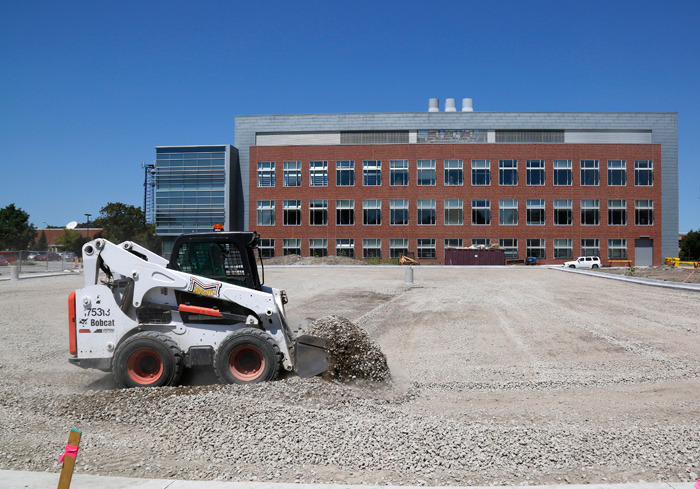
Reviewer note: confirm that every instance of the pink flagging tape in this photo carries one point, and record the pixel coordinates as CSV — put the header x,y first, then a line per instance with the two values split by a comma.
x,y
72,451
697,484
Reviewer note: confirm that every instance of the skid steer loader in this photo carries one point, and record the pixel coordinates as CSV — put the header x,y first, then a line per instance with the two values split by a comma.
x,y
151,317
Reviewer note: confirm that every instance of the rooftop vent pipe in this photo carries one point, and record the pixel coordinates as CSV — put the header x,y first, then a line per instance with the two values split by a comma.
x,y
450,105
433,105
467,105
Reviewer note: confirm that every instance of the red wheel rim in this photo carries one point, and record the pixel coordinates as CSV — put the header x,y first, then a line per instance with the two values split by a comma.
x,y
246,363
145,366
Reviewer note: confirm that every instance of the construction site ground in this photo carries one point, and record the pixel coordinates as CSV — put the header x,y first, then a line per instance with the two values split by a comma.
x,y
501,376
666,273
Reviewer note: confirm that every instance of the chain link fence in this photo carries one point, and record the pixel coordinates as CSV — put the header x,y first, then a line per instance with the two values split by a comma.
x,y
38,261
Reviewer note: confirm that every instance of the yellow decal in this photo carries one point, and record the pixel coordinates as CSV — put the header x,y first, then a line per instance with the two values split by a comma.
x,y
199,288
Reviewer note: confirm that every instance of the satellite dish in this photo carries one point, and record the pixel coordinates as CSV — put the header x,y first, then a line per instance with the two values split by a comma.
x,y
71,225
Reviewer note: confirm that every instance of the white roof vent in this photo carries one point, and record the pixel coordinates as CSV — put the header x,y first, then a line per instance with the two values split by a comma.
x,y
467,105
433,105
450,105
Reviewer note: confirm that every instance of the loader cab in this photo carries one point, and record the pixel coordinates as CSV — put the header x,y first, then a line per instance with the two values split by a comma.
x,y
223,256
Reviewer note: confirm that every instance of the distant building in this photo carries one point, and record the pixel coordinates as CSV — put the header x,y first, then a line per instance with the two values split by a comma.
x,y
551,185
194,186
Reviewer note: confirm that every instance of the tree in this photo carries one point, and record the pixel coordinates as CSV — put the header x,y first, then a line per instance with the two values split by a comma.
x,y
122,222
72,241
690,246
42,244
15,231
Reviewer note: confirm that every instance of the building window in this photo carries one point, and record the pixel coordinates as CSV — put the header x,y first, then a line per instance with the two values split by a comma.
x,y
344,173
508,172
481,241
454,213
426,212
617,172
318,212
535,172
481,172
266,173
398,172
426,248
535,212
644,212
589,172
371,248
345,247
509,247
372,173
318,247
345,212
318,173
617,249
643,173
563,248
292,174
371,212
563,212
481,211
562,172
453,242
535,248
398,211
267,248
398,247
453,172
266,212
291,210
291,246
590,212
617,212
426,172
590,247
508,212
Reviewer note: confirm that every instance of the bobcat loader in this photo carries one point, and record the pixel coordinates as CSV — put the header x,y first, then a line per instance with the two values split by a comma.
x,y
150,317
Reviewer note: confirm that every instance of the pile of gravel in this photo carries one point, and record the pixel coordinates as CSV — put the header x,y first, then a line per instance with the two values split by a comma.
x,y
352,354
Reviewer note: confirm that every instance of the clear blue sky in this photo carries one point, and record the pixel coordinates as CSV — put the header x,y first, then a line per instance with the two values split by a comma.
x,y
87,89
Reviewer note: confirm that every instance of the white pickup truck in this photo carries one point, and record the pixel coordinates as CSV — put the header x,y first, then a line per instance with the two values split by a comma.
x,y
584,262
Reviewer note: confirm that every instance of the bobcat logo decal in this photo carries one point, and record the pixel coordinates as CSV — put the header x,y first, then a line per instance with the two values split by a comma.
x,y
200,288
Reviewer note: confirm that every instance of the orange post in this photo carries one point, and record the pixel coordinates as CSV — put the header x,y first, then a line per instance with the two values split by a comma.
x,y
68,459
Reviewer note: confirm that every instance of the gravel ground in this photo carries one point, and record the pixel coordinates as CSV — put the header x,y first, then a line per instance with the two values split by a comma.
x,y
498,377
662,272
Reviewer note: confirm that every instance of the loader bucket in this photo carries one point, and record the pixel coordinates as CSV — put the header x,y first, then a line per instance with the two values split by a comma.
x,y
310,356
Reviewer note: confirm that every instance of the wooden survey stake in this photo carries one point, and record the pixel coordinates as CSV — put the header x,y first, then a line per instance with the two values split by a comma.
x,y
68,459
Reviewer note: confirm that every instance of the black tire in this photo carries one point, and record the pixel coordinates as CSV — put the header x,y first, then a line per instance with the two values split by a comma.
x,y
594,266
147,359
572,266
247,356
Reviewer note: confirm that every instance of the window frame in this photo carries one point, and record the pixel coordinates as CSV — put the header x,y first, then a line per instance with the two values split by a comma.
x,y
345,244
486,208
563,207
504,169
314,245
595,209
318,208
287,172
318,171
617,170
426,248
531,170
395,170
640,208
454,167
530,247
265,207
396,251
617,251
481,171
396,206
617,207
559,166
341,169
507,205
512,249
535,208
568,245
377,242
371,172
366,214
639,169
288,208
349,208
453,206
269,171
430,169
595,168
595,246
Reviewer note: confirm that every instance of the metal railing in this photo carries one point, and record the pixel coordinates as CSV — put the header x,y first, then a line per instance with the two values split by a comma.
x,y
28,261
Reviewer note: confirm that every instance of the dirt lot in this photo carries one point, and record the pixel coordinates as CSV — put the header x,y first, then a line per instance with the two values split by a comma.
x,y
663,272
500,377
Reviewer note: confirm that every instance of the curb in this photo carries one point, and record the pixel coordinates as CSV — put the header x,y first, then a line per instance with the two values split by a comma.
x,y
635,280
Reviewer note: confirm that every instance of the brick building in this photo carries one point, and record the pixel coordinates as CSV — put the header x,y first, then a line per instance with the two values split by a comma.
x,y
544,184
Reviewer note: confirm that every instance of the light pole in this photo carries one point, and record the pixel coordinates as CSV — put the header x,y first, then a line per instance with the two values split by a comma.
x,y
88,225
